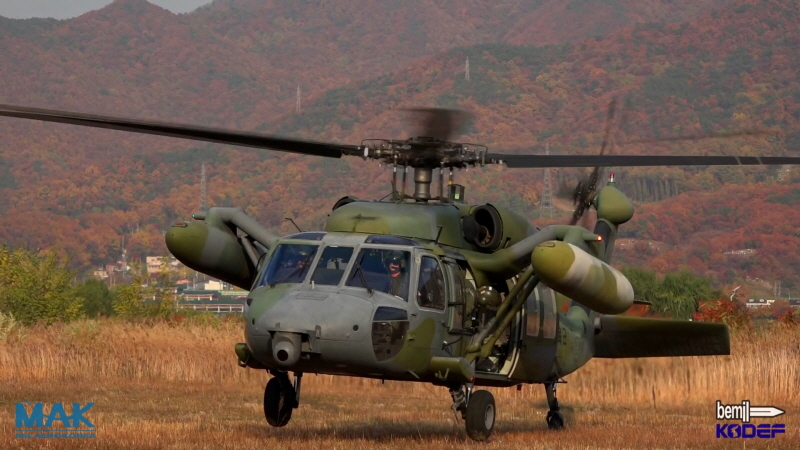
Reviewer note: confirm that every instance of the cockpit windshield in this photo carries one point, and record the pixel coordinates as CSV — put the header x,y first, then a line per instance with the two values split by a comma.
x,y
383,270
289,264
331,266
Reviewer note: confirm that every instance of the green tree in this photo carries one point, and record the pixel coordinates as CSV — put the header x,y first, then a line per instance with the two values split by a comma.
x,y
679,295
34,289
145,297
97,299
675,296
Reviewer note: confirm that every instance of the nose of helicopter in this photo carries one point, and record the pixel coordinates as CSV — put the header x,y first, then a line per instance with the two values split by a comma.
x,y
287,326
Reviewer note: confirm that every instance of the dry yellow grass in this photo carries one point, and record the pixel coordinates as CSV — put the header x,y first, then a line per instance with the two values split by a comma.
x,y
161,386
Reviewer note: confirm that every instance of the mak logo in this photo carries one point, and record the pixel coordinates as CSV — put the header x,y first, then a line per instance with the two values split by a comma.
x,y
32,421
746,430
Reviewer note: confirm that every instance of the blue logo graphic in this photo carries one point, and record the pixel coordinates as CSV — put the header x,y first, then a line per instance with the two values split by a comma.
x,y
32,422
743,412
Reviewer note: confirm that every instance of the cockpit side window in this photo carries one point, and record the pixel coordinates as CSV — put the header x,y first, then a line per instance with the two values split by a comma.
x,y
289,263
331,266
383,270
430,290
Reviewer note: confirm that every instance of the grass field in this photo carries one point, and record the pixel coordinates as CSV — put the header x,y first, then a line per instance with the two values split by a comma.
x,y
178,387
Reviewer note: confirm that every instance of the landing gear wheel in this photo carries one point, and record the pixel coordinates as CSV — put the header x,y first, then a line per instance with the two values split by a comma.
x,y
555,420
480,417
279,401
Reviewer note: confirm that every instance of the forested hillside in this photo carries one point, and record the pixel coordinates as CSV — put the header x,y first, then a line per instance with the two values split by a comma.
x,y
541,72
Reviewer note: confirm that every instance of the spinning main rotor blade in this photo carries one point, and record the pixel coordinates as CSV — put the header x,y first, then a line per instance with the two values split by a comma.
x,y
585,191
439,123
183,131
697,137
530,161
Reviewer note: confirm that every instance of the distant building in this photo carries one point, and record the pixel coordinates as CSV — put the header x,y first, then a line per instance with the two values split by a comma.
x,y
200,296
758,302
101,274
155,263
213,286
745,251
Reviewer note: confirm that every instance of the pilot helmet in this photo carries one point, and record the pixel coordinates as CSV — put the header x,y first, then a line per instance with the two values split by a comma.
x,y
396,257
299,254
488,297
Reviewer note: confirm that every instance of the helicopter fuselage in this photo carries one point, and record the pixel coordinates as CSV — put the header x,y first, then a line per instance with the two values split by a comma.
x,y
334,310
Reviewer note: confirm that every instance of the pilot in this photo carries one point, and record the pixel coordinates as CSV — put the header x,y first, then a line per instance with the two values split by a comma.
x,y
398,275
294,267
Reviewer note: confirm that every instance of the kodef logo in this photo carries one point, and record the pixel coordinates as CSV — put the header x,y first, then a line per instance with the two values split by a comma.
x,y
747,430
34,422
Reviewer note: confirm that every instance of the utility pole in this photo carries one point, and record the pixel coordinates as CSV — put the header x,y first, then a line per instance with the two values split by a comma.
x,y
297,108
203,189
466,69
546,205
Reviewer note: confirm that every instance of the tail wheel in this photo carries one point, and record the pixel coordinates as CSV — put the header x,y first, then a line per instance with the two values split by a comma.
x,y
481,414
279,401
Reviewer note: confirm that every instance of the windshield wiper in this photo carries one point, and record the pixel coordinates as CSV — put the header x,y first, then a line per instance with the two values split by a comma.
x,y
363,278
300,266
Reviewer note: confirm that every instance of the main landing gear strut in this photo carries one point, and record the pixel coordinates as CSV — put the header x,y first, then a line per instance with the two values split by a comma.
x,y
281,397
555,420
477,409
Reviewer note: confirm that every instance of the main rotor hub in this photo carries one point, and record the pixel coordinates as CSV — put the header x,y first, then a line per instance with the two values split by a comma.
x,y
424,152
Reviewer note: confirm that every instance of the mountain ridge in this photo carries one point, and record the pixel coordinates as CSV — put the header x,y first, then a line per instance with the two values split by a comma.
x,y
81,189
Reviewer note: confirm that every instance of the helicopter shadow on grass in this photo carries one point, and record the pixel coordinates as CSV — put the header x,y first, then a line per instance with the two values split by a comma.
x,y
388,430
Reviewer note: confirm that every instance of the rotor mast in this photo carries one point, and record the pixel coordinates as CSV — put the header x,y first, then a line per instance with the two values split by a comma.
x,y
422,183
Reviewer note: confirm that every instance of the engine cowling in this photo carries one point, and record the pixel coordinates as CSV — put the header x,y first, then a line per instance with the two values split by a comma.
x,y
489,228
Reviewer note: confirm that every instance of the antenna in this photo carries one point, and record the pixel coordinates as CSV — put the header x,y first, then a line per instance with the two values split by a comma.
x,y
466,69
203,189
546,206
297,108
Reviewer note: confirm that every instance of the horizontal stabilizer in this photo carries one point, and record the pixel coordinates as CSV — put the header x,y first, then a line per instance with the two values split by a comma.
x,y
633,337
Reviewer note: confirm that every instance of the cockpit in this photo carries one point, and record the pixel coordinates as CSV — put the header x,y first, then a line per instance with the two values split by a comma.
x,y
378,264
352,298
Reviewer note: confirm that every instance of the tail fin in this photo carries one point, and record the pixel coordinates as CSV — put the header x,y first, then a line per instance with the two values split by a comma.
x,y
613,209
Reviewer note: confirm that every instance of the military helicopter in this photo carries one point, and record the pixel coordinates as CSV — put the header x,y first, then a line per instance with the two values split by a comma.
x,y
428,288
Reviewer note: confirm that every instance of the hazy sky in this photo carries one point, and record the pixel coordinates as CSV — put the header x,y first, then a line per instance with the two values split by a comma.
x,y
65,9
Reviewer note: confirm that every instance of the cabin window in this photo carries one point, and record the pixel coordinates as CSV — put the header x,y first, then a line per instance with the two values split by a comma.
x,y
430,290
532,319
549,314
383,270
459,304
331,265
289,263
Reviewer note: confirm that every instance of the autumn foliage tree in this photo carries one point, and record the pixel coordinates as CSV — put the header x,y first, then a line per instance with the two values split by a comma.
x,y
733,313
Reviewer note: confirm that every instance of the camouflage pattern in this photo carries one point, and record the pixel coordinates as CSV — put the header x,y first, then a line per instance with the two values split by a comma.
x,y
582,277
537,334
211,250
